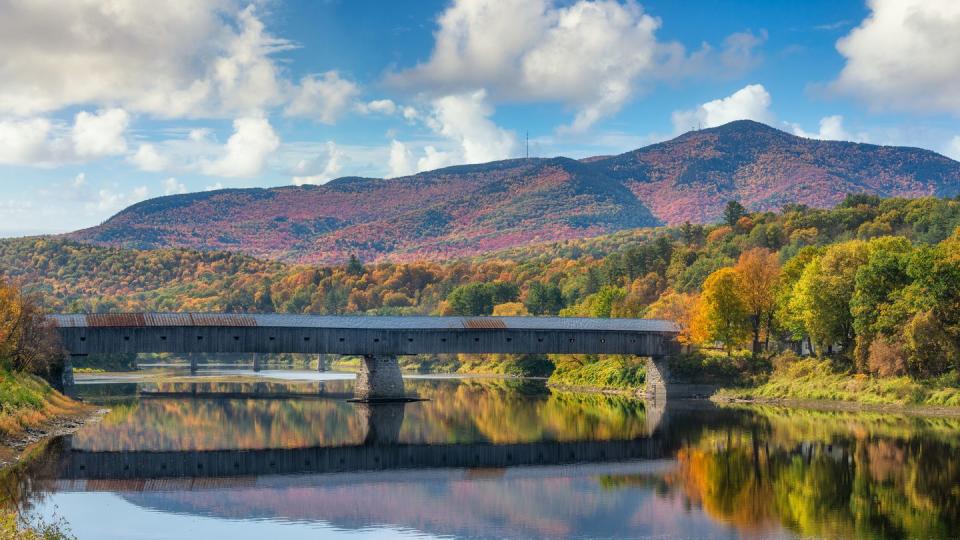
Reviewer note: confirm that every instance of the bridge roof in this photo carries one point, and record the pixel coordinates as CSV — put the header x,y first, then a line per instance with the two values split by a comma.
x,y
137,320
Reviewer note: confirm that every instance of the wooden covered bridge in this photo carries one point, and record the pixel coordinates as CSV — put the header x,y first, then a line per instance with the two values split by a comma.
x,y
378,340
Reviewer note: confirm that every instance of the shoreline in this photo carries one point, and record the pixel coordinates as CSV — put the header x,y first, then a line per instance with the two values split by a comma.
x,y
14,445
937,411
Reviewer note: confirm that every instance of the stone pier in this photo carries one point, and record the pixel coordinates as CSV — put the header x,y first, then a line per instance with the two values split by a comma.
x,y
379,379
194,364
67,378
256,362
322,363
383,422
663,383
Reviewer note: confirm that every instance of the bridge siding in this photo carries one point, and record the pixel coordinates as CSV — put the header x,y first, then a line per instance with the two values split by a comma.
x,y
80,464
360,341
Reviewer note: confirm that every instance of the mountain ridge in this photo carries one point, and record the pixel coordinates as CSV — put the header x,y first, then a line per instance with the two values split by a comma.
x,y
468,209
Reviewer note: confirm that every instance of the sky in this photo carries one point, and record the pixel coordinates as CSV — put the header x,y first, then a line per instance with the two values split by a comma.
x,y
104,103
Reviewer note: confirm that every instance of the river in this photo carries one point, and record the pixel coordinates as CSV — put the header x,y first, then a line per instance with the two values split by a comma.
x,y
282,454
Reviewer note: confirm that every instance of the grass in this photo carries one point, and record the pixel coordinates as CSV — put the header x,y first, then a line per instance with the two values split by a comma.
x,y
27,401
13,527
487,364
606,373
812,379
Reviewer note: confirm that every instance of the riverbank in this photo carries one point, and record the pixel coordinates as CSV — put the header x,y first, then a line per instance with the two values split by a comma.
x,y
31,410
812,380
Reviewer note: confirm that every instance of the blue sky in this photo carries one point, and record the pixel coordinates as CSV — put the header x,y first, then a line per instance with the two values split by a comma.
x,y
103,104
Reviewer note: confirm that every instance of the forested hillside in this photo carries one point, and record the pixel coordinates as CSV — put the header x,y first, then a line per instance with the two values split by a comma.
x,y
471,210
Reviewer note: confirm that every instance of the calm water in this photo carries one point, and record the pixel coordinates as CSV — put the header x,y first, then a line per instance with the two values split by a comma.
x,y
284,457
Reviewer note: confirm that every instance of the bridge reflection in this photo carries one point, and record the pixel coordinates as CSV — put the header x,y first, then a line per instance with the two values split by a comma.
x,y
85,465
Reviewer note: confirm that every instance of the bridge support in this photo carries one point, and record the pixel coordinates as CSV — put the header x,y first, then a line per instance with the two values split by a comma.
x,y
379,379
322,363
663,384
256,362
383,422
67,377
194,364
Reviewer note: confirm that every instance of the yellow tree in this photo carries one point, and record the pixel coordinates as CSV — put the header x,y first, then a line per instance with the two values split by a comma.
x,y
721,313
759,273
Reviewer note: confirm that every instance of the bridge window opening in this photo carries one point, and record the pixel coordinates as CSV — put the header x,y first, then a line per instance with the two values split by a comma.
x,y
236,338
509,339
236,465
272,338
540,339
410,339
602,340
305,338
476,339
633,341
163,338
199,338
376,340
83,338
199,465
341,340
571,340
443,340
126,338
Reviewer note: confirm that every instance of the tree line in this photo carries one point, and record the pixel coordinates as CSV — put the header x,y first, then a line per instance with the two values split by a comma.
x,y
840,281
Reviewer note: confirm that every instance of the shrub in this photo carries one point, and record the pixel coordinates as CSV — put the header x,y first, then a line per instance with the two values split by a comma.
x,y
886,359
930,349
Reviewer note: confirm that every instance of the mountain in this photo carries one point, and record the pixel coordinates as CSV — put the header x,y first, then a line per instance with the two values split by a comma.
x,y
471,209
691,177
456,211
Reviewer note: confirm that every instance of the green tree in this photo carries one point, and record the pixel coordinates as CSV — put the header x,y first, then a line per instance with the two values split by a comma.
x,y
354,266
822,295
544,299
480,298
721,314
733,212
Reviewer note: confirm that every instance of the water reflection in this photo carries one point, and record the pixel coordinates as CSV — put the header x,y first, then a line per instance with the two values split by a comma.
x,y
578,466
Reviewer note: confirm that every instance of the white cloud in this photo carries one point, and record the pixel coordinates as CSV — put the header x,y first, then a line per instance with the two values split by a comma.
x,y
100,134
40,142
214,187
592,55
169,59
752,102
434,159
831,129
378,106
24,141
323,99
246,151
953,149
465,120
171,186
148,158
401,160
309,172
587,55
113,199
469,136
904,55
